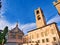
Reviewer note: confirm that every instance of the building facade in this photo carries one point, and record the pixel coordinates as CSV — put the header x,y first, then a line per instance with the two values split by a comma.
x,y
57,5
44,34
15,36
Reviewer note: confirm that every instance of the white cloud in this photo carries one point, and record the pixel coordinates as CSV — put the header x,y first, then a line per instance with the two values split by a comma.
x,y
3,8
4,22
25,27
59,27
54,19
28,27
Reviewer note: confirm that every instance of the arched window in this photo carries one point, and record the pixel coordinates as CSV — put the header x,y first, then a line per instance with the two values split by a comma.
x,y
38,17
37,12
42,34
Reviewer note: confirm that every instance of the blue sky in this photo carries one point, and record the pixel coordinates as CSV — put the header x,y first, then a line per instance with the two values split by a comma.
x,y
23,12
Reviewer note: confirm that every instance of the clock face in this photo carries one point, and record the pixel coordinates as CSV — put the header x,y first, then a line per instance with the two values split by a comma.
x,y
38,17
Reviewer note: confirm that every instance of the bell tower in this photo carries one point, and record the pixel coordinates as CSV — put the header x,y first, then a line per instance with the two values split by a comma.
x,y
57,5
40,20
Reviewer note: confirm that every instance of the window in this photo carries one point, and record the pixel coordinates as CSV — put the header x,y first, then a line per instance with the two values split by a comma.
x,y
29,37
19,37
32,36
38,41
13,36
19,44
47,40
35,41
37,35
29,41
54,38
38,17
37,12
52,31
46,33
43,40
32,41
56,44
13,33
42,34
47,44
31,44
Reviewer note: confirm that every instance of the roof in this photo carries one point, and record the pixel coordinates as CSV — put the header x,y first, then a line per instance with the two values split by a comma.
x,y
16,29
42,27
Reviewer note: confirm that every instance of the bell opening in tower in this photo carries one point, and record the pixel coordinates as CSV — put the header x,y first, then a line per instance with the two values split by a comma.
x,y
37,12
38,17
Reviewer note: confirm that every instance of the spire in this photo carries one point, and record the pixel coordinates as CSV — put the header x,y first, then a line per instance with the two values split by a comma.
x,y
17,24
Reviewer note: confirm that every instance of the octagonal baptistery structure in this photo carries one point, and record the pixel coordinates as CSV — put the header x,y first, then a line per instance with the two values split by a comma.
x,y
15,36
